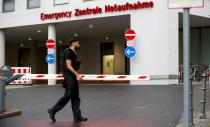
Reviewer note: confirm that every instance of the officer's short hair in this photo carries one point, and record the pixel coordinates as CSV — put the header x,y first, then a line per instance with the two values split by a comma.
x,y
72,40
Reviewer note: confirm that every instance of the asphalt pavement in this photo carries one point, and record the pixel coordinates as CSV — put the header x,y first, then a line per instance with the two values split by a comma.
x,y
104,105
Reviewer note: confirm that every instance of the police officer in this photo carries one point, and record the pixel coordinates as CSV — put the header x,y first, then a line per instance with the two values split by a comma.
x,y
70,83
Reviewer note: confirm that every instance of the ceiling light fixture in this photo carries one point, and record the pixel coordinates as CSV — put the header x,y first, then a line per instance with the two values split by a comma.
x,y
91,26
39,30
75,34
21,45
107,38
60,42
29,39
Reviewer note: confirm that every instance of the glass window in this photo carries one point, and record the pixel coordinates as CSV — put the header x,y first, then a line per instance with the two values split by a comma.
x,y
33,4
59,2
8,5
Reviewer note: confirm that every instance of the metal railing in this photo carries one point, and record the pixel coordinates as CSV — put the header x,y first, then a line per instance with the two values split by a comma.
x,y
196,72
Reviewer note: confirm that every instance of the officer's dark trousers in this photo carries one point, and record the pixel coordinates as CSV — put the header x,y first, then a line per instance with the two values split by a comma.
x,y
71,93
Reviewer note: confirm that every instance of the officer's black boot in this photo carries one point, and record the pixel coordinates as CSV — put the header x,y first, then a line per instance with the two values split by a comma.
x,y
51,114
80,119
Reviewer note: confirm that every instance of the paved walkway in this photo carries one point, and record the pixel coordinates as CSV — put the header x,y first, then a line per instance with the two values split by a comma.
x,y
197,96
198,107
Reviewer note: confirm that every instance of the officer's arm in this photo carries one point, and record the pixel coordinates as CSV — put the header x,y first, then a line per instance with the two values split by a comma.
x,y
69,66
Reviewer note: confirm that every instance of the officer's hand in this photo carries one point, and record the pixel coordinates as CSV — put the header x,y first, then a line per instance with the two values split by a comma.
x,y
79,77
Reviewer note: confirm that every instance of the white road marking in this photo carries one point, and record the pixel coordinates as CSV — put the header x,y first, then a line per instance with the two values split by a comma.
x,y
144,107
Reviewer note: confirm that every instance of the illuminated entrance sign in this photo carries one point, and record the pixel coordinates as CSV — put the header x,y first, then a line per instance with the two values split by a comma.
x,y
98,10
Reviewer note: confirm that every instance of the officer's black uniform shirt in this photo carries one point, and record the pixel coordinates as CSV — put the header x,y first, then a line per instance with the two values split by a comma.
x,y
70,55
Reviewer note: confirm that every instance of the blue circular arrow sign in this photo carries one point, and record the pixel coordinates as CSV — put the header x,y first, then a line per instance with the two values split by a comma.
x,y
130,52
50,58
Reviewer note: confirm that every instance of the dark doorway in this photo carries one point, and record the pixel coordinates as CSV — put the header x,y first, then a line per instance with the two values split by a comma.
x,y
24,57
42,64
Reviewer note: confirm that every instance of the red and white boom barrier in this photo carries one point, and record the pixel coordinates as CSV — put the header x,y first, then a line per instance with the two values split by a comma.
x,y
22,70
89,77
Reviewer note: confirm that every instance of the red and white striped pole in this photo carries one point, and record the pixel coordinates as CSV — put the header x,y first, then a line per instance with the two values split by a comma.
x,y
89,77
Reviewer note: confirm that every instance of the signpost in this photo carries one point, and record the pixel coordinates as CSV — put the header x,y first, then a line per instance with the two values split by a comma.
x,y
187,85
130,35
50,58
186,5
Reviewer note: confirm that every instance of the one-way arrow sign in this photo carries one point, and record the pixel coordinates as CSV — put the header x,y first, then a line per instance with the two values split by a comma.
x,y
50,58
130,52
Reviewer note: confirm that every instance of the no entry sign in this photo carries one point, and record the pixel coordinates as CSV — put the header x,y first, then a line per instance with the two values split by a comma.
x,y
130,34
50,44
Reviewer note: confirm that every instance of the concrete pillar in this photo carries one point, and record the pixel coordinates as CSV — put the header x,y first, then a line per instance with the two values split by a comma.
x,y
52,67
2,48
156,45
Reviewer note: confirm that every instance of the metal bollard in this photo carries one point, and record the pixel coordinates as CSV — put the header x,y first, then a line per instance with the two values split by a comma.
x,y
203,112
191,103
